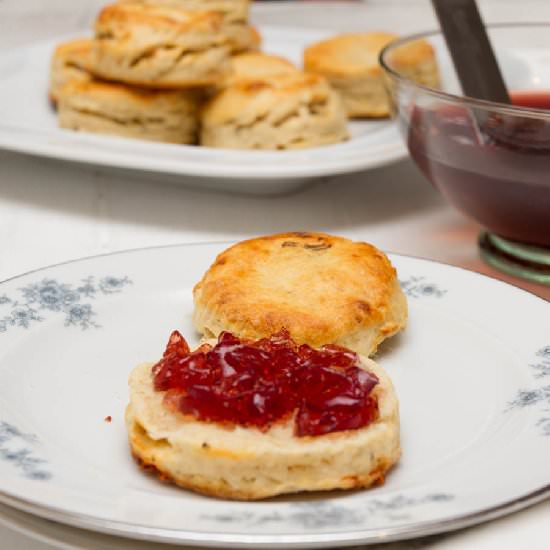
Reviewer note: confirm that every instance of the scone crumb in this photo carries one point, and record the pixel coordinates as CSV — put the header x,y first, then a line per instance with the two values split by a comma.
x,y
108,419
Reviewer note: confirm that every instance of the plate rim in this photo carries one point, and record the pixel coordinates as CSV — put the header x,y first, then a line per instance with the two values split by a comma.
x,y
242,540
296,540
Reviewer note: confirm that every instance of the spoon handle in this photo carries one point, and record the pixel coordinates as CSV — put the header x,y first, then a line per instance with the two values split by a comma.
x,y
471,50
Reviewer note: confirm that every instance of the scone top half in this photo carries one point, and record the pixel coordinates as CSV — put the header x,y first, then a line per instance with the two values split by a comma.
x,y
140,40
141,23
351,54
322,289
347,57
75,53
232,10
257,65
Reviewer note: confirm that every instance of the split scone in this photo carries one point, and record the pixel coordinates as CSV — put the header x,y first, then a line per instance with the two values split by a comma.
x,y
250,420
70,61
160,47
109,108
350,63
285,111
322,289
256,66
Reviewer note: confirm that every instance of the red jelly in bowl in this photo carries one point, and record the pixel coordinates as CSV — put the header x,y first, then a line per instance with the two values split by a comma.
x,y
259,383
494,167
532,99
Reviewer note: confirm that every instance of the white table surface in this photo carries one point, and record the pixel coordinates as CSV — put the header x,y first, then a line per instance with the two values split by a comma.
x,y
52,211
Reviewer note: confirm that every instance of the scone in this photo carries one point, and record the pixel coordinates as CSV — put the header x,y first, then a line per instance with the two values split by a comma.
x,y
350,63
108,108
285,111
322,289
256,66
232,10
160,47
217,422
70,61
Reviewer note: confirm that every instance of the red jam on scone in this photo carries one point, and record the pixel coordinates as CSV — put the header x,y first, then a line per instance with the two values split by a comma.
x,y
258,383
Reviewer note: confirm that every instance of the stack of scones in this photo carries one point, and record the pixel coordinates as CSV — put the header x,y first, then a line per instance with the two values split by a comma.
x,y
190,72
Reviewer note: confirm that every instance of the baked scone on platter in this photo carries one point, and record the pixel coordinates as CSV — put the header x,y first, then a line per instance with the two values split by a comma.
x,y
169,116
350,63
253,419
284,111
160,47
70,61
321,288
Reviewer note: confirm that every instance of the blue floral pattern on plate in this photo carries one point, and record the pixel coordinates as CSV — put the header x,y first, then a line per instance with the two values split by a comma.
x,y
538,396
37,300
316,514
419,287
542,366
51,296
16,448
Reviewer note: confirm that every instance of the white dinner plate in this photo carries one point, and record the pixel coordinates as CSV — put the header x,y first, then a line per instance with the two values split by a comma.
x,y
28,124
472,372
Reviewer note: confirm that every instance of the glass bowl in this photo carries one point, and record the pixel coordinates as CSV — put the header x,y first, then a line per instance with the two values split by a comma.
x,y
490,160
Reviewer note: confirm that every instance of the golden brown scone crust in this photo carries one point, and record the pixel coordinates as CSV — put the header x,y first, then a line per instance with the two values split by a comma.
x,y
322,289
247,464
109,108
242,37
347,54
70,61
160,47
232,10
416,60
283,111
239,35
350,62
256,66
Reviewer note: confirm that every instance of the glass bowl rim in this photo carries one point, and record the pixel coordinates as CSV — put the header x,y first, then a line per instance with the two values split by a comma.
x,y
494,106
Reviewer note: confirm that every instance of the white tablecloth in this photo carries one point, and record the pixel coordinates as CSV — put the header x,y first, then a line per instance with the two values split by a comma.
x,y
52,211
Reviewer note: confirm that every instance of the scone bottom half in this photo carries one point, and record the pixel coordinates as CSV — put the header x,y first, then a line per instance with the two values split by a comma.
x,y
323,289
249,420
